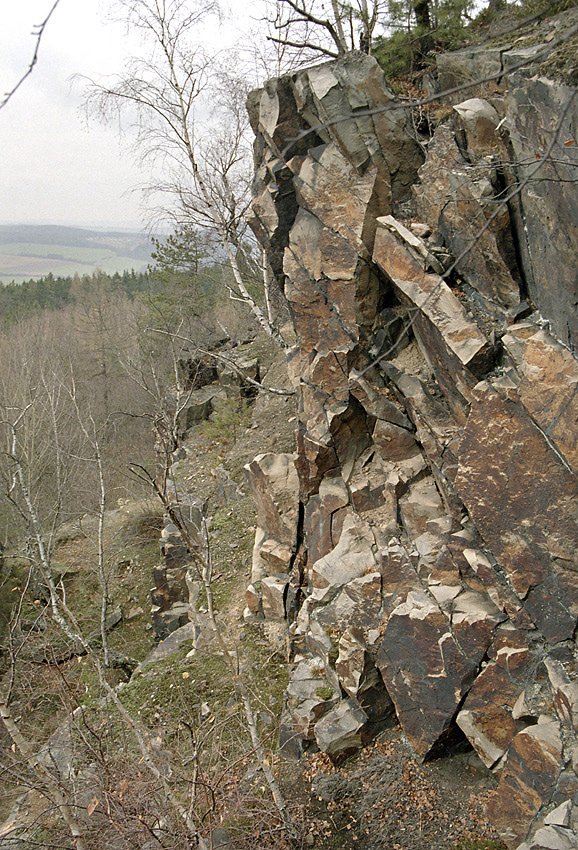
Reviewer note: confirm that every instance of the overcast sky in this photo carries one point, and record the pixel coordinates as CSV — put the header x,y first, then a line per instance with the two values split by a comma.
x,y
55,167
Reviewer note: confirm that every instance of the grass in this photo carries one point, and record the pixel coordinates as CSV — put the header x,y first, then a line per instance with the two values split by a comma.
x,y
232,534
57,252
21,261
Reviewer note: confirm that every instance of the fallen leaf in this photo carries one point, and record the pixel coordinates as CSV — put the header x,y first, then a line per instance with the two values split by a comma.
x,y
92,806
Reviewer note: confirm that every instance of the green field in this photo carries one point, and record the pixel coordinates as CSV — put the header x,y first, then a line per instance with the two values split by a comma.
x,y
24,260
30,252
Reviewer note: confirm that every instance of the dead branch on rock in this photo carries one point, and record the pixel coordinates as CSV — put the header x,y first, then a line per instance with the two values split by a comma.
x,y
226,361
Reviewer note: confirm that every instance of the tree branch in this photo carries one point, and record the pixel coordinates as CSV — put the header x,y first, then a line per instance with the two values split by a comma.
x,y
39,33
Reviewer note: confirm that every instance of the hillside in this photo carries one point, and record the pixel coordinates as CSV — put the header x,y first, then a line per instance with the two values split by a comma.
x,y
336,605
30,251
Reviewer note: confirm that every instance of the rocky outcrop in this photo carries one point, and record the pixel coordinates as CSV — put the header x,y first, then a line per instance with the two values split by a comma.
x,y
206,384
422,544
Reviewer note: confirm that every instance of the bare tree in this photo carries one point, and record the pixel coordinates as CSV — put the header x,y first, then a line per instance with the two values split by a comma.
x,y
195,135
312,28
40,551
51,420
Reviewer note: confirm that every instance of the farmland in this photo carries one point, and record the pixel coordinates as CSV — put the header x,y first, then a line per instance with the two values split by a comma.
x,y
30,252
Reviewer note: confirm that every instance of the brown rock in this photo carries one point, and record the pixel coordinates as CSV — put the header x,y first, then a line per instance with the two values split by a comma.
x,y
497,588
377,401
399,576
473,618
352,557
449,199
341,97
548,384
340,731
421,504
351,663
487,715
357,605
393,442
331,188
277,556
530,520
273,591
455,346
275,487
253,602
565,692
479,120
309,695
360,678
528,779
425,673
323,517
547,205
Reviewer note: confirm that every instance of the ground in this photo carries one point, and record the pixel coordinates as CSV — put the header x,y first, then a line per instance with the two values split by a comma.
x,y
380,799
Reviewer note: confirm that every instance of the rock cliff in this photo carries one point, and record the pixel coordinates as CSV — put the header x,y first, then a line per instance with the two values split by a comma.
x,y
422,543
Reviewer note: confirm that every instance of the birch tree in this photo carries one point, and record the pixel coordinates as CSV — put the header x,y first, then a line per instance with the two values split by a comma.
x,y
191,129
314,29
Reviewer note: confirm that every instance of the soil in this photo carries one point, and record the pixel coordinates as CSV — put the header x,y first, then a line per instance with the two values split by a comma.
x,y
383,799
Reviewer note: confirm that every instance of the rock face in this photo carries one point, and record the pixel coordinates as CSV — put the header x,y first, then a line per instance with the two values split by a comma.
x,y
423,542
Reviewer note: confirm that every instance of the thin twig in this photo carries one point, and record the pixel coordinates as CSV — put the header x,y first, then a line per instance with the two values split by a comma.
x,y
39,33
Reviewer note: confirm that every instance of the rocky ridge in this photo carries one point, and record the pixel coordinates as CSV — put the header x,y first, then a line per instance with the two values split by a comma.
x,y
420,545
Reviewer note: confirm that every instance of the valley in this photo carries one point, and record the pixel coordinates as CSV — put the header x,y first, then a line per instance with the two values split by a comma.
x,y
33,251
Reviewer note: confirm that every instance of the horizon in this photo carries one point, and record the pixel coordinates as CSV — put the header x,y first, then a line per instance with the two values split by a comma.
x,y
134,227
32,251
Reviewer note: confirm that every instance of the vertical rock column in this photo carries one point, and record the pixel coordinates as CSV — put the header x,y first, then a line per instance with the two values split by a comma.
x,y
332,154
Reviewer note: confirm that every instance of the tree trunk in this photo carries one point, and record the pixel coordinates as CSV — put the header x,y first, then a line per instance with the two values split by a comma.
x,y
422,16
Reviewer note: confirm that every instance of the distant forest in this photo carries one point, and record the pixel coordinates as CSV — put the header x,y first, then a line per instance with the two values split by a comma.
x,y
20,300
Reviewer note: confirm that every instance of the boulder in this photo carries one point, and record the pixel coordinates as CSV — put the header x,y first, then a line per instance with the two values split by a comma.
x,y
352,558
487,717
459,67
528,779
358,604
479,120
426,672
359,677
274,484
547,203
324,517
309,695
273,591
546,384
339,733
421,504
200,405
458,199
455,347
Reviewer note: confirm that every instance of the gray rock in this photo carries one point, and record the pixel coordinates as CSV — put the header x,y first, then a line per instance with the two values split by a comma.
x,y
340,732
273,590
479,119
220,839
547,224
